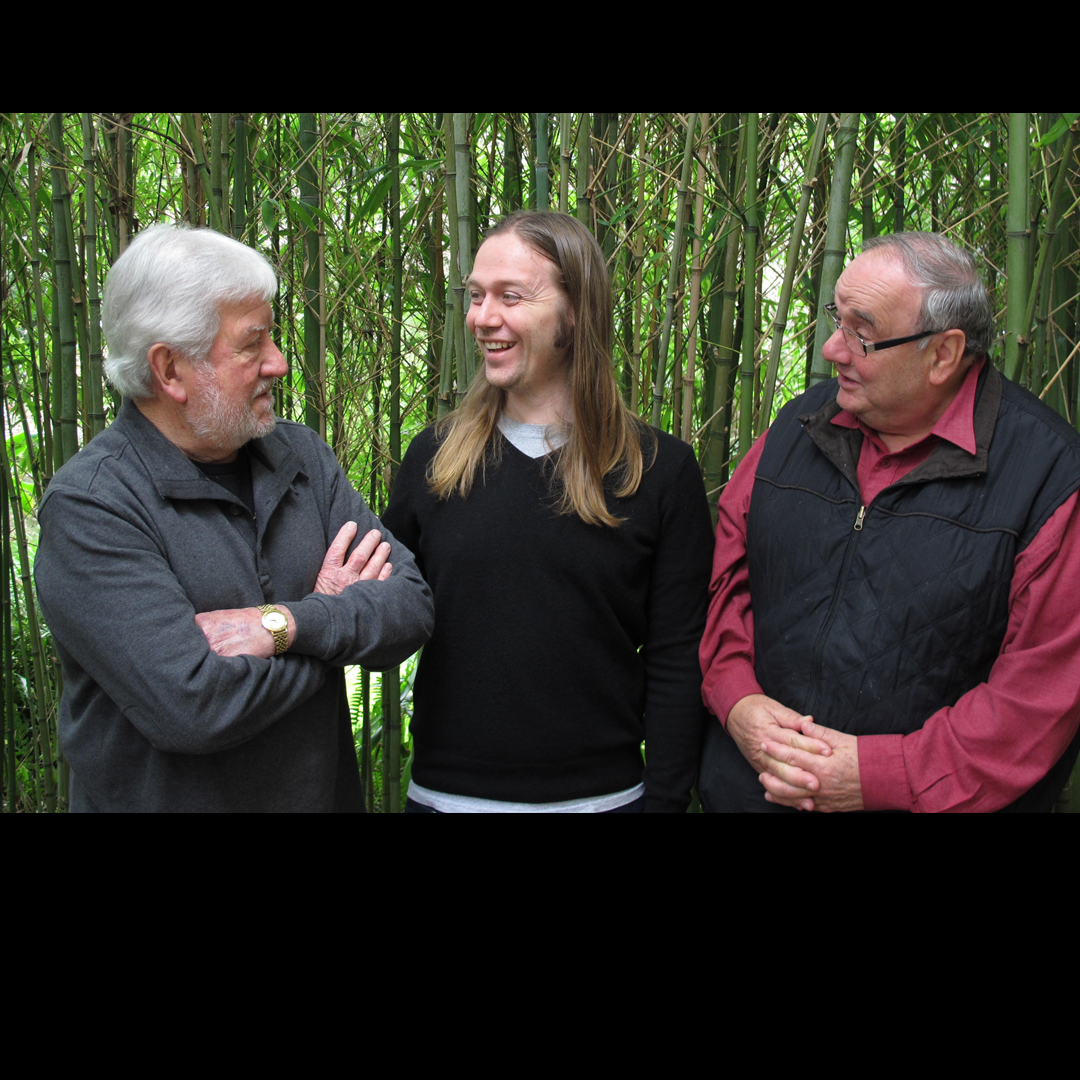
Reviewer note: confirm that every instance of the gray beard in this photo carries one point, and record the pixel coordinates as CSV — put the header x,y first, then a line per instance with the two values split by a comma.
x,y
218,421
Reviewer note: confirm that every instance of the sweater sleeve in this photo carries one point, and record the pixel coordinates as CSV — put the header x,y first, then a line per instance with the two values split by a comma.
x,y
1004,735
676,618
727,647
374,623
126,631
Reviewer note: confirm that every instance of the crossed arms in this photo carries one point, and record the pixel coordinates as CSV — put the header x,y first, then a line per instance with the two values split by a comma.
x,y
240,632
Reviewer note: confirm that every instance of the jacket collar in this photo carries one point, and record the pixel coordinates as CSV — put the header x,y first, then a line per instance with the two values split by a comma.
x,y
842,445
176,476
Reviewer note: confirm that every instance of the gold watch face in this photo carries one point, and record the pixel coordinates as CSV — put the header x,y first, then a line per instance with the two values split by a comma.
x,y
274,621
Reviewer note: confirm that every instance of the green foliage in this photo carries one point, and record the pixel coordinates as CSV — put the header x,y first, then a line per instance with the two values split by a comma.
x,y
619,171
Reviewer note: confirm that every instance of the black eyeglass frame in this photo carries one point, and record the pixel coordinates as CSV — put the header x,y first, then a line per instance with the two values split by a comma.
x,y
874,346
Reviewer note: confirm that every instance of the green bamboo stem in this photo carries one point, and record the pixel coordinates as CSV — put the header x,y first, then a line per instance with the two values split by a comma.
x,y
835,239
314,361
543,197
790,266
716,446
583,193
191,124
391,741
454,357
32,449
564,161
639,283
217,190
674,270
695,292
92,384
41,383
391,682
1049,230
61,202
1019,234
750,246
393,156
463,173
37,695
240,175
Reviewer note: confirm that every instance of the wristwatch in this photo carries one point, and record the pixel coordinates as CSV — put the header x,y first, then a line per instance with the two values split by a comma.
x,y
274,620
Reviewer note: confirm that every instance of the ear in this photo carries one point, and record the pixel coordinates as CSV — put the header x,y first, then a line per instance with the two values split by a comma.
x,y
948,359
167,371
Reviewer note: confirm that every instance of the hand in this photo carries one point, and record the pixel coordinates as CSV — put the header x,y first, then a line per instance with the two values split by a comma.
x,y
812,781
755,718
366,563
240,632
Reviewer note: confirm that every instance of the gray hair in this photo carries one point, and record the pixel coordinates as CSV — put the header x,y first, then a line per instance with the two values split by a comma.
x,y
953,295
168,286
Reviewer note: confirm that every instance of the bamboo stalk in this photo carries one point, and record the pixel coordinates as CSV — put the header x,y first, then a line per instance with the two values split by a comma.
x,y
835,238
37,695
44,366
750,245
240,172
584,197
314,361
1049,230
1019,233
790,266
92,384
61,201
695,291
673,270
463,170
543,197
564,161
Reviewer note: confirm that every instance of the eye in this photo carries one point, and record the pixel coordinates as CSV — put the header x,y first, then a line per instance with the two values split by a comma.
x,y
474,296
510,298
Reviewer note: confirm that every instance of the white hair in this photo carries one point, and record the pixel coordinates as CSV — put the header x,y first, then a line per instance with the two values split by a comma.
x,y
953,295
169,286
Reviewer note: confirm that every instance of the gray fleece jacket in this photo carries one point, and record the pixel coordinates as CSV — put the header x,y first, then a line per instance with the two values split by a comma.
x,y
135,541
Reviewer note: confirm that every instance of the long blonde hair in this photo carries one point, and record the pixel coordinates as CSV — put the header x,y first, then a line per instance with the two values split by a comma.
x,y
604,436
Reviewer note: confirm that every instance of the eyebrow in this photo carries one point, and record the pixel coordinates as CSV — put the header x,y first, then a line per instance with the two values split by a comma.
x,y
863,316
512,283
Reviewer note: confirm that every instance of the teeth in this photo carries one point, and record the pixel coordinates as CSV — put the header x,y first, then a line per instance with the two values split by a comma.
x,y
495,346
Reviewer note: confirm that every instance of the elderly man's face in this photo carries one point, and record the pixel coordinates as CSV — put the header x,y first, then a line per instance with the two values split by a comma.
x,y
888,390
231,399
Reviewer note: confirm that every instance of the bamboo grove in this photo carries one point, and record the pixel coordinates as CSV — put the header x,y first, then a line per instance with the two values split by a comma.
x,y
724,232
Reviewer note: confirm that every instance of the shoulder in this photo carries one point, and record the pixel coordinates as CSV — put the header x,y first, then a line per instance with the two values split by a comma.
x,y
664,454
424,444
1021,406
106,468
299,438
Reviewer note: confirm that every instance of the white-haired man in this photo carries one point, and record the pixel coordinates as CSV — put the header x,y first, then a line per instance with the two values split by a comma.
x,y
207,570
898,558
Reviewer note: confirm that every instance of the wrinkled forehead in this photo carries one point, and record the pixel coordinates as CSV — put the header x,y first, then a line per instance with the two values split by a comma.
x,y
875,287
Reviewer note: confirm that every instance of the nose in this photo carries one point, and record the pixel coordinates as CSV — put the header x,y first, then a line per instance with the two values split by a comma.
x,y
485,314
835,349
273,365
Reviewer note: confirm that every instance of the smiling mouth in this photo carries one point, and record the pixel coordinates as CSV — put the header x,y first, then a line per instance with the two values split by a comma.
x,y
496,346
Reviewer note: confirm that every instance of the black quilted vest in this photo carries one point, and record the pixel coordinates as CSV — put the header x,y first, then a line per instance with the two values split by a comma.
x,y
873,620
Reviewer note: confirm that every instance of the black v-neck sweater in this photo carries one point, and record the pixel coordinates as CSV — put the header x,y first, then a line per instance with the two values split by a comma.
x,y
558,646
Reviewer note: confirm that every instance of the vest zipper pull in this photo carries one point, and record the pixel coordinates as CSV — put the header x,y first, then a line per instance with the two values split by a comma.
x,y
859,519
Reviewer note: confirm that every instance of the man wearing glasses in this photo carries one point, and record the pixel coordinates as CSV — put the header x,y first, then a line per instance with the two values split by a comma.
x,y
895,602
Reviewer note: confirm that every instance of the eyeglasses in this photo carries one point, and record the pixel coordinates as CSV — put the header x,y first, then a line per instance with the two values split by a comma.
x,y
862,348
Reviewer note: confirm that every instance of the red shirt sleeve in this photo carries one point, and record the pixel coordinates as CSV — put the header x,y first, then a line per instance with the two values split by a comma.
x,y
1004,735
727,648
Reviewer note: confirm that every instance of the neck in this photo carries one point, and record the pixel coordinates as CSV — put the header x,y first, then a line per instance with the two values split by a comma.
x,y
896,441
549,406
172,424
